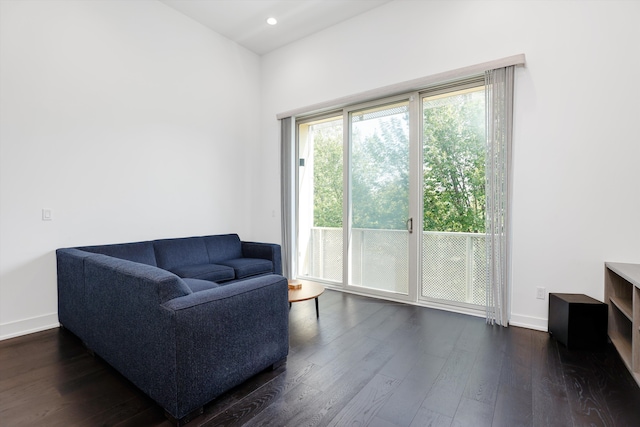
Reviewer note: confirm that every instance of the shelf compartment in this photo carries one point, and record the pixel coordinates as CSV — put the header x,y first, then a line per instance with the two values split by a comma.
x,y
623,346
624,305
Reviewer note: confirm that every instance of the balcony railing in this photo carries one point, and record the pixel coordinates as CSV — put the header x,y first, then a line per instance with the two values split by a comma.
x,y
453,264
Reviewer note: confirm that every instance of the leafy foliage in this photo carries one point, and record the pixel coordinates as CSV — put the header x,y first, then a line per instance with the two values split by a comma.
x,y
327,177
454,165
453,170
380,175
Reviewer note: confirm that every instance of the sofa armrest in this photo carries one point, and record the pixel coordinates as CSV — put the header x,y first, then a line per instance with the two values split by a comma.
x,y
270,251
228,334
72,310
127,325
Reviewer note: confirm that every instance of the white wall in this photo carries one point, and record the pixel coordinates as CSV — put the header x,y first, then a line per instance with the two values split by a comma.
x,y
129,121
577,150
133,122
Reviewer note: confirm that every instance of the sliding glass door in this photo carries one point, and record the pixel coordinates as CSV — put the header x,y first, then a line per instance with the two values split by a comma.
x,y
379,192
320,199
391,196
453,191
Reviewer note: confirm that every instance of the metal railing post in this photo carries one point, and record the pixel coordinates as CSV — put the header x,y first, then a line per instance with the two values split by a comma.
x,y
469,269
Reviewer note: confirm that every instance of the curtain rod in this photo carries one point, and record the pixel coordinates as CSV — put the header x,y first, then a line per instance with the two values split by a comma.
x,y
407,86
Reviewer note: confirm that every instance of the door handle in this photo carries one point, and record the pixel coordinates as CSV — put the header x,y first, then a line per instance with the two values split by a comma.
x,y
409,224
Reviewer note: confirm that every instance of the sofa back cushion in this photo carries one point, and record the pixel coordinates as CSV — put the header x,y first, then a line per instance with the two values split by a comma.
x,y
223,247
172,253
141,252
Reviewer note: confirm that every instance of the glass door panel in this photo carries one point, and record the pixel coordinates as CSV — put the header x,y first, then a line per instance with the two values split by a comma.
x,y
379,192
320,189
453,240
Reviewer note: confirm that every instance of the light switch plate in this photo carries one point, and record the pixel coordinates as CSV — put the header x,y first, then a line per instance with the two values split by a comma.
x,y
47,214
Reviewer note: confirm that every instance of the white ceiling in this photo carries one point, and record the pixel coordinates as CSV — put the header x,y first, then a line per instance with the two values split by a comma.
x,y
244,21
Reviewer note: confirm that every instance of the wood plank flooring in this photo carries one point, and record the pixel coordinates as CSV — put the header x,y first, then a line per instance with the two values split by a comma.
x,y
364,362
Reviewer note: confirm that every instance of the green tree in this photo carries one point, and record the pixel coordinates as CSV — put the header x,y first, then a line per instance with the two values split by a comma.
x,y
453,170
327,177
454,164
380,176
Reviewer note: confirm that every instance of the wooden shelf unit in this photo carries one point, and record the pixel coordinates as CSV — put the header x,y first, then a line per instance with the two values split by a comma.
x,y
622,294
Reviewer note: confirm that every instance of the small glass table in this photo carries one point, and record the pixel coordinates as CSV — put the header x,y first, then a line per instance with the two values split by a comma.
x,y
306,292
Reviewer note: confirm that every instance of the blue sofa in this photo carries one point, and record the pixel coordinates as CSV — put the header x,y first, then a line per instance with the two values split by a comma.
x,y
183,319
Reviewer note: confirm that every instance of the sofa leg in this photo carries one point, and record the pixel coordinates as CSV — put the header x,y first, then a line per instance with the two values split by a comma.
x,y
186,419
278,364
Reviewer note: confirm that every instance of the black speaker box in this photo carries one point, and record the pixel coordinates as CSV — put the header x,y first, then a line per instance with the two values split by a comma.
x,y
578,321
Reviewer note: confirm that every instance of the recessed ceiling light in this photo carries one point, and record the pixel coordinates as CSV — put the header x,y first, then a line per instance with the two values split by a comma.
x,y
272,21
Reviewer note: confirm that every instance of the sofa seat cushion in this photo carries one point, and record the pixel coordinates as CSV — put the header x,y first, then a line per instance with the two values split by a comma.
x,y
197,285
211,272
245,267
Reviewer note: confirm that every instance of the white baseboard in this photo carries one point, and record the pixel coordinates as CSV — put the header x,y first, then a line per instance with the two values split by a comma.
x,y
529,322
28,326
537,323
50,321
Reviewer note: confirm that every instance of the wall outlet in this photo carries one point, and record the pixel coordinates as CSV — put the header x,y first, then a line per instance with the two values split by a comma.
x,y
540,293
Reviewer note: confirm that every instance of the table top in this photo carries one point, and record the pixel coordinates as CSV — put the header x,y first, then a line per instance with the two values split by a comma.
x,y
308,291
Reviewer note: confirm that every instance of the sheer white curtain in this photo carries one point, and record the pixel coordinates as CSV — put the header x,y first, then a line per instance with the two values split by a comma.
x,y
499,116
287,197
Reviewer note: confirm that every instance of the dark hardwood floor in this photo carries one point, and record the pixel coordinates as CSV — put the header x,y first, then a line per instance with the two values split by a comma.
x,y
364,362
